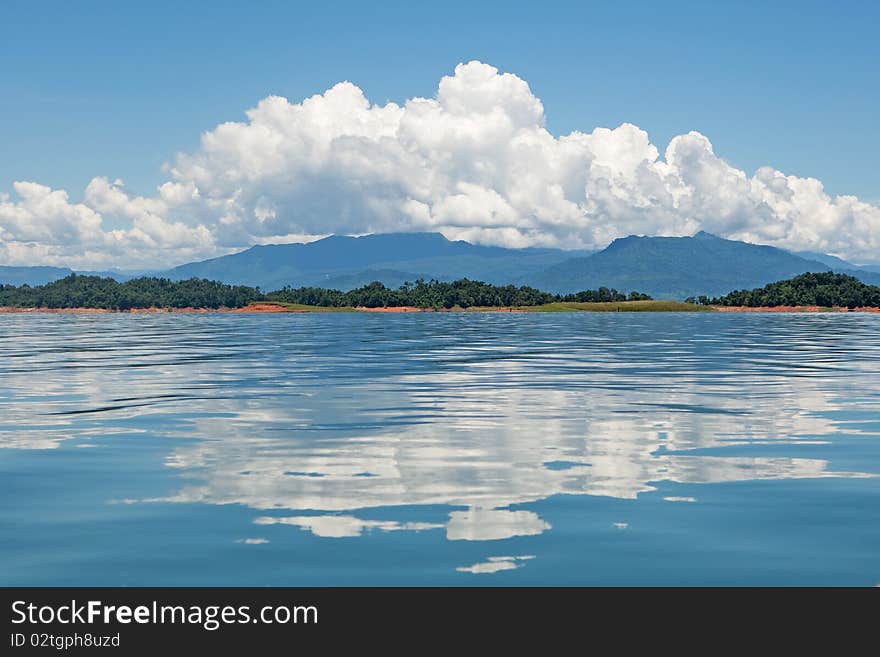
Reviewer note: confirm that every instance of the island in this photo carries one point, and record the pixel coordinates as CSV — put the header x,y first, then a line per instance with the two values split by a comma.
x,y
812,292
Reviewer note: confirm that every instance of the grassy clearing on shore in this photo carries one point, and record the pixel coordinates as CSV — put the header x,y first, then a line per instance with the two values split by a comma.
x,y
652,306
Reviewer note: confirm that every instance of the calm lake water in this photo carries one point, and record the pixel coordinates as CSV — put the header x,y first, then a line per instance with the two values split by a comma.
x,y
451,449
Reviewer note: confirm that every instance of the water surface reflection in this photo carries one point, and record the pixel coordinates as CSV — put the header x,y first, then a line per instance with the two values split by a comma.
x,y
322,424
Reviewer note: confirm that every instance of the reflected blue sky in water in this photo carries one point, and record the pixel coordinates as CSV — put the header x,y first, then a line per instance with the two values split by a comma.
x,y
434,448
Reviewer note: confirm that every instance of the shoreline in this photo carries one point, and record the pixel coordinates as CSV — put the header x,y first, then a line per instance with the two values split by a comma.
x,y
255,309
793,309
266,308
12,310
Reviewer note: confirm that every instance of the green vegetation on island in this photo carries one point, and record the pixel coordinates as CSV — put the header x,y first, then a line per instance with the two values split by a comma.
x,y
824,289
437,294
76,291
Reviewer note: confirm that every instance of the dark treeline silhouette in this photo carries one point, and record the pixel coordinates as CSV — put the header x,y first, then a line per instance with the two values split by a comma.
x,y
77,291
813,289
463,293
604,294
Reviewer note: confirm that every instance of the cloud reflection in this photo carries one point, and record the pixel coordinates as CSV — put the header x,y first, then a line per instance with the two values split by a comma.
x,y
344,526
495,564
331,417
492,524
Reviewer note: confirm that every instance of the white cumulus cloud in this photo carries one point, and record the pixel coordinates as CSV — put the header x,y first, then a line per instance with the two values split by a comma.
x,y
475,162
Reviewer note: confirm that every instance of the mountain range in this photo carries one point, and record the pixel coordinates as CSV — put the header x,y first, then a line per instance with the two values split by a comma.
x,y
664,267
679,267
392,258
40,275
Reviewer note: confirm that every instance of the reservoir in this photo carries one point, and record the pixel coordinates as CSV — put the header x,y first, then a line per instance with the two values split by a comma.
x,y
440,449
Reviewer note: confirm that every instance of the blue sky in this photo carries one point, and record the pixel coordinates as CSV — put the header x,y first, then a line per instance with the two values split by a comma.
x,y
111,88
117,89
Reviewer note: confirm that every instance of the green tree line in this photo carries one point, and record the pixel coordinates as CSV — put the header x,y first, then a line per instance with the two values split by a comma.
x,y
813,289
462,293
76,291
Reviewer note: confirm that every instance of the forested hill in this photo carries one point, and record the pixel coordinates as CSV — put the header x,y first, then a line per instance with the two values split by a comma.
x,y
679,267
814,289
76,291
